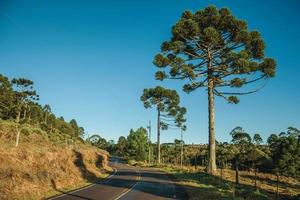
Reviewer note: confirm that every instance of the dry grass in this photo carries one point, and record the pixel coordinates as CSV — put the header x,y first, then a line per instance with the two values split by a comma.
x,y
200,185
39,167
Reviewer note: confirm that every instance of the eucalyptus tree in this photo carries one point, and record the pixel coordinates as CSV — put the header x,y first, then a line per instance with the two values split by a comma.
x,y
257,140
214,50
47,111
169,112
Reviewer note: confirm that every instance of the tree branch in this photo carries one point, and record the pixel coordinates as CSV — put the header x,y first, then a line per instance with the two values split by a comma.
x,y
244,93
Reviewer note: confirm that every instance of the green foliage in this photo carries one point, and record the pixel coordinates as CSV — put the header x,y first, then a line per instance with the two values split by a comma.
x,y
169,113
257,139
19,102
98,141
211,44
214,50
136,147
121,146
285,152
280,154
167,103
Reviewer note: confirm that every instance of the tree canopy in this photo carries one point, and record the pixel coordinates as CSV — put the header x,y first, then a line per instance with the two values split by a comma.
x,y
19,102
214,36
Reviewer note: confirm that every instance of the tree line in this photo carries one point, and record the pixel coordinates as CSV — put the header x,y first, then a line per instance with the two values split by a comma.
x,y
134,146
19,102
279,154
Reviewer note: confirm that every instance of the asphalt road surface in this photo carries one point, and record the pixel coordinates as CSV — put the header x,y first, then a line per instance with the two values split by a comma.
x,y
129,182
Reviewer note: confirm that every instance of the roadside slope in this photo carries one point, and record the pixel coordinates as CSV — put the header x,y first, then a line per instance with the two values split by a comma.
x,y
42,166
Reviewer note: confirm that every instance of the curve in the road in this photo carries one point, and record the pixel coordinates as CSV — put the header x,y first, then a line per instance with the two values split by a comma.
x,y
128,182
130,188
86,187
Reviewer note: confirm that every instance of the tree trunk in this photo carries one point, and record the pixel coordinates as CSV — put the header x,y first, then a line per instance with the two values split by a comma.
x,y
51,127
158,136
18,115
46,116
181,150
24,114
18,137
222,167
195,162
149,143
277,185
237,178
211,168
255,178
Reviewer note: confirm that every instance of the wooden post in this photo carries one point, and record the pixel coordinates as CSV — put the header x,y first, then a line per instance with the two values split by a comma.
x,y
237,179
255,178
277,186
181,150
221,172
18,137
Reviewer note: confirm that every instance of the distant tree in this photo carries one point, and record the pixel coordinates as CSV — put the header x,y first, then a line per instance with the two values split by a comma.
x,y
24,93
77,131
111,147
19,101
98,141
225,154
137,144
257,139
294,132
242,141
285,149
121,146
256,155
47,111
6,98
212,49
169,113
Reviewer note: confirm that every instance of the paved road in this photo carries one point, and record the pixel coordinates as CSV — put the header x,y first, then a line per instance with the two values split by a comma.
x,y
129,183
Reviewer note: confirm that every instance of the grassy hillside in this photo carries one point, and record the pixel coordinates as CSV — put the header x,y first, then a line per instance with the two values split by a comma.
x,y
45,164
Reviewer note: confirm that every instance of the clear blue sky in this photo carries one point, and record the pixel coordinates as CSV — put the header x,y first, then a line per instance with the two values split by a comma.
x,y
90,60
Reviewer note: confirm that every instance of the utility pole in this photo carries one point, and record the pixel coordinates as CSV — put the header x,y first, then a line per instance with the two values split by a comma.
x,y
149,142
181,151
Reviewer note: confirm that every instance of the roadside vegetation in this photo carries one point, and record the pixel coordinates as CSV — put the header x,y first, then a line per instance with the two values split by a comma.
x,y
201,185
247,167
40,154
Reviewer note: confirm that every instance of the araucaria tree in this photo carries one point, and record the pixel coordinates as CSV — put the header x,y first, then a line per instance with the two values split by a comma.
x,y
169,112
212,49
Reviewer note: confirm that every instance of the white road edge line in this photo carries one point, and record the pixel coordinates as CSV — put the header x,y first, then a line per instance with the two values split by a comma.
x,y
130,188
67,193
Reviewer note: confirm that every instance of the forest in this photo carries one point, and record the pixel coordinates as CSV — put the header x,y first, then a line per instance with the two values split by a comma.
x,y
19,102
280,154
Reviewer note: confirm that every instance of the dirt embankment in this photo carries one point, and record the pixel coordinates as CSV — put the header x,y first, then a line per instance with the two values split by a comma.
x,y
39,167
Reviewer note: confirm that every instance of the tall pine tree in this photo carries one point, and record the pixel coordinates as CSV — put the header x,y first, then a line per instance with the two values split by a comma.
x,y
214,50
